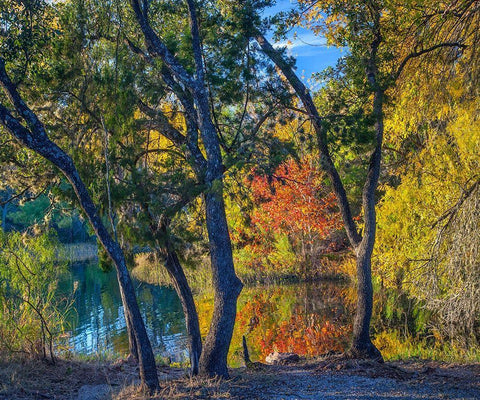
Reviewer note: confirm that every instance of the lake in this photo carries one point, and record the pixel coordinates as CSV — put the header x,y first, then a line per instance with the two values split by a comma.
x,y
309,319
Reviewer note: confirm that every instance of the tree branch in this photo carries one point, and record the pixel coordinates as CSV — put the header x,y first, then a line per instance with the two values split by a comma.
x,y
416,54
157,47
325,158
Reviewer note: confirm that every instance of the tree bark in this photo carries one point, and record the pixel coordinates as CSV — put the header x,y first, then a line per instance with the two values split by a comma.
x,y
227,286
362,346
180,283
35,138
175,270
132,341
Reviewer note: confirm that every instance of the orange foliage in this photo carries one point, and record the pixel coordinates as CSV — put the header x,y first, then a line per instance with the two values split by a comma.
x,y
295,202
304,335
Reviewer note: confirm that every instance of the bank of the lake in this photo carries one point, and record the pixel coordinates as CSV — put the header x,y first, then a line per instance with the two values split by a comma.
x,y
267,315
313,379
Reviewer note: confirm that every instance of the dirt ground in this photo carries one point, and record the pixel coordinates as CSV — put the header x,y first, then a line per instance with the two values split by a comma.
x,y
333,378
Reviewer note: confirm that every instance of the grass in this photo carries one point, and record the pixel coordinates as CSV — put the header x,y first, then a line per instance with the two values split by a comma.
x,y
148,270
183,388
23,378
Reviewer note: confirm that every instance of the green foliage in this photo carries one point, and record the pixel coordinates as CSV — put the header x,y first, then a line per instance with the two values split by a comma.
x,y
77,63
32,319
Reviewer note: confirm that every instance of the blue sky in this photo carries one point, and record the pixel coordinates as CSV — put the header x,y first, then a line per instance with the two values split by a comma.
x,y
310,51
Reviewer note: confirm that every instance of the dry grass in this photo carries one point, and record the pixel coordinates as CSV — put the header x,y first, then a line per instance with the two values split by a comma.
x,y
184,388
28,379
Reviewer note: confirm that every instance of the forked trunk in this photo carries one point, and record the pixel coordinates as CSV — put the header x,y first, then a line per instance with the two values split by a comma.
x,y
196,100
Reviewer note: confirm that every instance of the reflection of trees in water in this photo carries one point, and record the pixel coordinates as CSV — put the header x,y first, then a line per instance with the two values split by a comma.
x,y
98,324
309,319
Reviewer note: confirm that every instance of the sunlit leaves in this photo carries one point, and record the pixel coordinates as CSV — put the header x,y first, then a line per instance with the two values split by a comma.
x,y
31,318
293,216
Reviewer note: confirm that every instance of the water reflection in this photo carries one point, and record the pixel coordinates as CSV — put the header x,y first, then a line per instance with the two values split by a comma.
x,y
97,323
308,319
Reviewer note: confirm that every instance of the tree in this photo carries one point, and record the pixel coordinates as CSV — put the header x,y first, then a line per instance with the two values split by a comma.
x,y
428,216
32,318
107,88
292,219
195,100
361,26
34,136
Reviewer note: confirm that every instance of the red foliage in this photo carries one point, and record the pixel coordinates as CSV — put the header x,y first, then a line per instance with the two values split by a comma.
x,y
304,335
295,202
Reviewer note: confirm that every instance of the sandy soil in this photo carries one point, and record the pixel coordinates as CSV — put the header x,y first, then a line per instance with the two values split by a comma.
x,y
321,379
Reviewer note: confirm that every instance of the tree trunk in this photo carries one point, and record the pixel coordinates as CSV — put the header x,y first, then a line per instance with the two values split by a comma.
x,y
132,342
146,359
175,270
141,346
362,346
227,286
35,138
363,246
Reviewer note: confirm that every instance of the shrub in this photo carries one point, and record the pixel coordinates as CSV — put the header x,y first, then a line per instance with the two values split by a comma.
x,y
32,318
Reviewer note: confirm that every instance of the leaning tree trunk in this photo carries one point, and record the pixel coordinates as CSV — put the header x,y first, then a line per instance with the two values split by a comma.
x,y
132,341
227,286
35,138
180,283
142,346
175,270
172,264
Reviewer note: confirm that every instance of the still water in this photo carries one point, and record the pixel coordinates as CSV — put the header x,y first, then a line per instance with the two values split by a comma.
x,y
306,318
97,323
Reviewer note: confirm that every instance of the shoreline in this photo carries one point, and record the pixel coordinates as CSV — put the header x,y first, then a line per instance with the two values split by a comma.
x,y
329,378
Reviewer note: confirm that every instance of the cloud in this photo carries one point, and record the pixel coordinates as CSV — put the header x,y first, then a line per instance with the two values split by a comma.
x,y
308,39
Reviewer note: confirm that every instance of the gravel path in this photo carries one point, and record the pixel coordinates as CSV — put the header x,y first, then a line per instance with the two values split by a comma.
x,y
293,384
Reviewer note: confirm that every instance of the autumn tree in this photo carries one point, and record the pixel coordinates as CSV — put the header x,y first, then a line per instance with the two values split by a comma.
x,y
428,216
373,63
293,216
